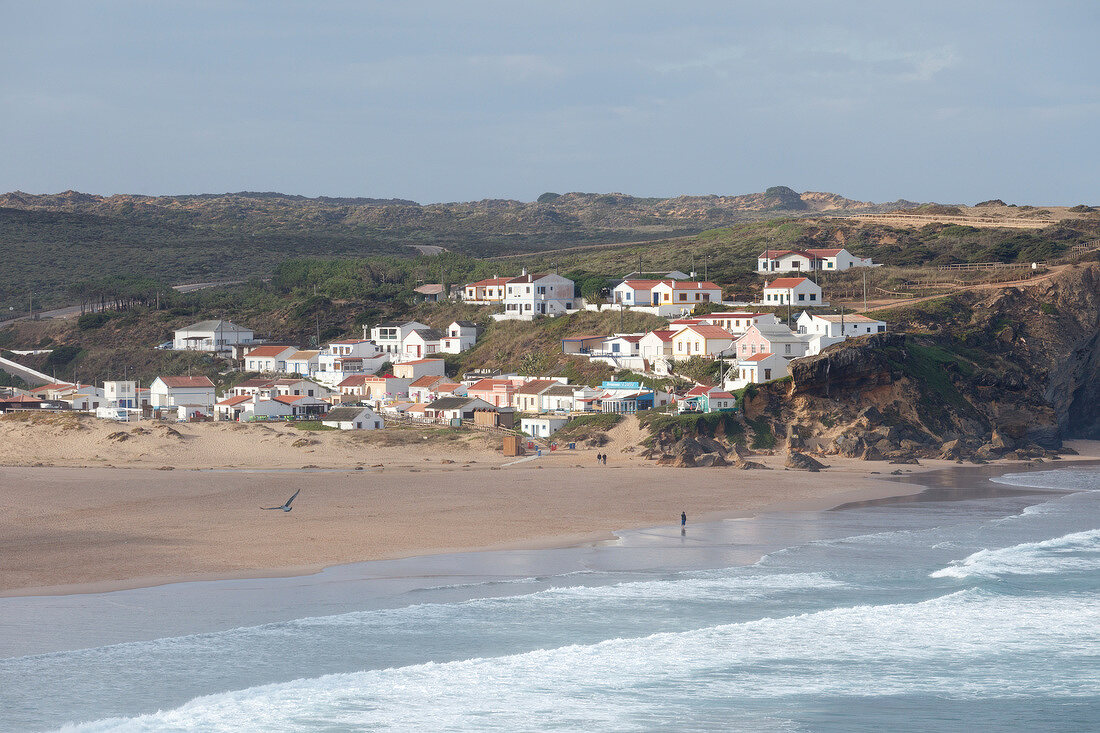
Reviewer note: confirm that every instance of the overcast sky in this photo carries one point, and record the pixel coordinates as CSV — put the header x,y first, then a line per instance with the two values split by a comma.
x,y
460,100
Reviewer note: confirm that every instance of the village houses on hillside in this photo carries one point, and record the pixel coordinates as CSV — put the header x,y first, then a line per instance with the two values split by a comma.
x,y
809,260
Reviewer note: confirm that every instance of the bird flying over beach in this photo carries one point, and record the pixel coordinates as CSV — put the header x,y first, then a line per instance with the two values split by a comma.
x,y
285,507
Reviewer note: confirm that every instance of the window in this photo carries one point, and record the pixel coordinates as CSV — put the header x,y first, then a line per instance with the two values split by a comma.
x,y
813,296
881,329
767,374
801,296
829,265
683,296
786,348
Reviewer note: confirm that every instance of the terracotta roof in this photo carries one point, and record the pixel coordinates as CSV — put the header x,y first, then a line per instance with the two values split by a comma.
x,y
238,399
698,389
354,380
488,385
825,252
429,289
428,380
447,386
692,285
268,351
417,407
786,282
302,355
630,339
720,395
758,357
645,284
709,332
663,334
490,281
288,399
536,386
186,381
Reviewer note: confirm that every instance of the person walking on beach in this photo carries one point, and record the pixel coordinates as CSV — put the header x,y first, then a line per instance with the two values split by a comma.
x,y
683,519
599,458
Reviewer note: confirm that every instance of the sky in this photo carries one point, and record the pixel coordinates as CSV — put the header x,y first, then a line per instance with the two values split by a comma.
x,y
954,102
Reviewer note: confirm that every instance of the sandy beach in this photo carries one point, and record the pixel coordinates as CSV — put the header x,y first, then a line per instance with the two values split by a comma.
x,y
96,514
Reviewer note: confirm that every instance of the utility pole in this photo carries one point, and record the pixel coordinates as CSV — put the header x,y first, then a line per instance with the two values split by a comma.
x,y
864,289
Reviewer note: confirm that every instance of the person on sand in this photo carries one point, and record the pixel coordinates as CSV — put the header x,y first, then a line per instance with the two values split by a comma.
x,y
599,458
683,519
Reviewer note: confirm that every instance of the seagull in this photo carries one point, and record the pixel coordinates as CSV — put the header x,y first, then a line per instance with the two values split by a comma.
x,y
285,507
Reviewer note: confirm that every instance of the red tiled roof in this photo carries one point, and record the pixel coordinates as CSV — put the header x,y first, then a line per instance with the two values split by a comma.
x,y
535,386
427,380
183,382
488,385
288,399
644,284
236,400
354,380
663,334
692,285
825,252
628,339
758,357
786,282
734,315
709,332
720,395
490,281
698,390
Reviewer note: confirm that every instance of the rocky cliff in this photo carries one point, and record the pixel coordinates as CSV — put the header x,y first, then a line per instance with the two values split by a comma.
x,y
1015,370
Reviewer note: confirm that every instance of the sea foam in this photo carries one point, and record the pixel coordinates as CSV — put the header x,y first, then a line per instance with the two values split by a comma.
x,y
1075,552
968,644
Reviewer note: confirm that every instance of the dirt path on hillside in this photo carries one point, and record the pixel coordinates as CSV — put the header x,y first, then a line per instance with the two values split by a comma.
x,y
857,305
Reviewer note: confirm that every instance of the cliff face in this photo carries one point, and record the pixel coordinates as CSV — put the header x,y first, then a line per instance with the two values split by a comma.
x,y
1013,370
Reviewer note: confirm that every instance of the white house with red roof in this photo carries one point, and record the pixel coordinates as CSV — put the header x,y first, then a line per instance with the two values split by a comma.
x,y
702,340
341,359
485,292
268,359
373,388
182,391
757,369
809,260
845,325
800,291
685,293
738,322
656,344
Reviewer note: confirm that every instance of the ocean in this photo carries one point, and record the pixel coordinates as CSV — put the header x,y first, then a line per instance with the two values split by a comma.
x,y
975,606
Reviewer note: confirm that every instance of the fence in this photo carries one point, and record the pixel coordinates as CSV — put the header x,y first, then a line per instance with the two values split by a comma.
x,y
977,221
972,266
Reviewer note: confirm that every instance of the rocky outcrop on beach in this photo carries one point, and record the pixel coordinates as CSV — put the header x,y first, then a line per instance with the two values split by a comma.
x,y
1009,373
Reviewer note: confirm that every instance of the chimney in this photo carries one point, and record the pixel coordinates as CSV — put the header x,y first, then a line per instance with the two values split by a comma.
x,y
524,272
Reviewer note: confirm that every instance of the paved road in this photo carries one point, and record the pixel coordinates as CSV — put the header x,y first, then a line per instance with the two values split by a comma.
x,y
74,310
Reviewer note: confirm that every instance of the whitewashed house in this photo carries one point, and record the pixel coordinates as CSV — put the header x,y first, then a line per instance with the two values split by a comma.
x,y
800,291
120,394
557,398
353,418
390,335
839,326
485,292
686,293
211,336
809,260
303,362
446,409
542,427
701,340
656,344
268,359
461,335
421,342
182,391
546,294
757,369
340,359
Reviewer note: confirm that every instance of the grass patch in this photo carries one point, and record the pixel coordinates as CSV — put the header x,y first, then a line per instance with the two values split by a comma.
x,y
711,424
313,425
762,436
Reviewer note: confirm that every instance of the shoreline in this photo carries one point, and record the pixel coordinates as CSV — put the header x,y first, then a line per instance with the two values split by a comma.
x,y
886,488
